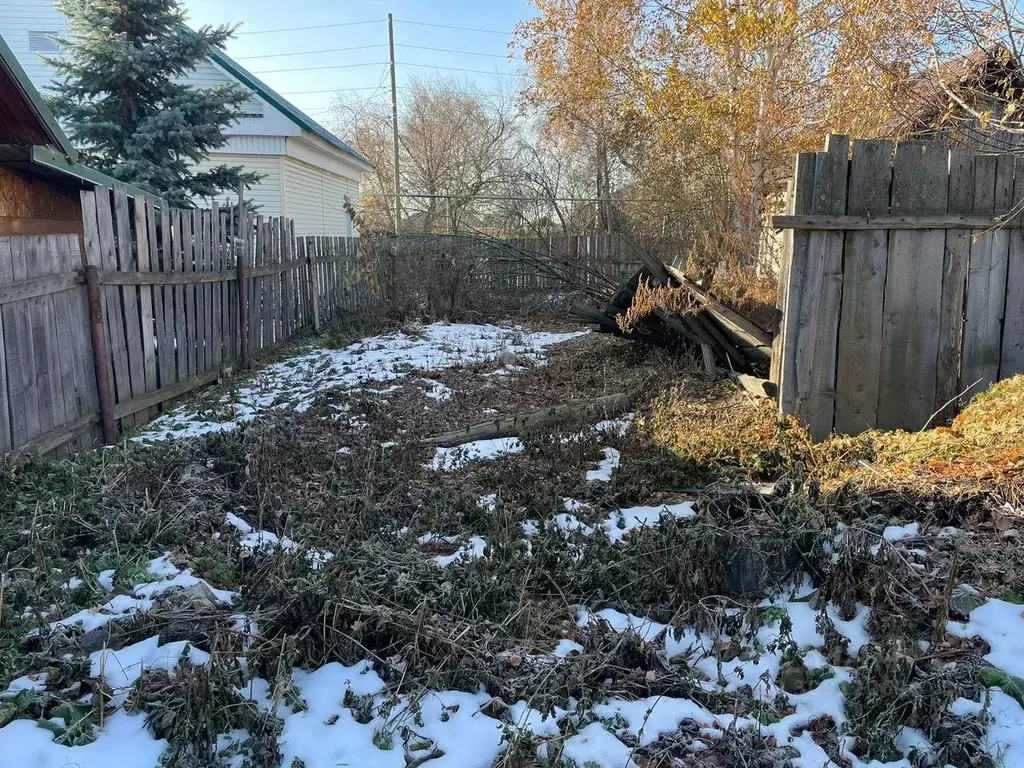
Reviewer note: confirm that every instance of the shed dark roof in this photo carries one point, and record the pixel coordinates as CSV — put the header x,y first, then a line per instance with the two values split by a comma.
x,y
24,118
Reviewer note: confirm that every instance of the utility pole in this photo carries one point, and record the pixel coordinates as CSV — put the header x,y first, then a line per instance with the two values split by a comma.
x,y
394,123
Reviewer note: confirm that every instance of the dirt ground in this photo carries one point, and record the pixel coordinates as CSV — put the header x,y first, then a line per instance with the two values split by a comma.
x,y
686,586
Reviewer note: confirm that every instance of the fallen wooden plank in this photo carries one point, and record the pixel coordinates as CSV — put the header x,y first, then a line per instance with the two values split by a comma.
x,y
755,386
572,414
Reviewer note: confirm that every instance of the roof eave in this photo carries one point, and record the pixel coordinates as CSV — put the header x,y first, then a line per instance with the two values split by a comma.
x,y
41,112
292,112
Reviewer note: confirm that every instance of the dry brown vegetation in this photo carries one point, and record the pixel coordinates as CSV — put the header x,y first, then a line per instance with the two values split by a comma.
x,y
767,502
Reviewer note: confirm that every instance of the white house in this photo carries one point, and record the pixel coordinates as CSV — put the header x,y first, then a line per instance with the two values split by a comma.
x,y
308,171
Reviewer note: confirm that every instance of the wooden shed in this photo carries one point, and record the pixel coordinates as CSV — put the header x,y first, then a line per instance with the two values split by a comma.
x,y
40,173
48,389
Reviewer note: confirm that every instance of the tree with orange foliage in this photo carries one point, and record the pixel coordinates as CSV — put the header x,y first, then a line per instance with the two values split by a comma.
x,y
731,83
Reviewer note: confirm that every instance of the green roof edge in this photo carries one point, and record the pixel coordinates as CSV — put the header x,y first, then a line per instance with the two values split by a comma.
x,y
293,113
48,158
43,113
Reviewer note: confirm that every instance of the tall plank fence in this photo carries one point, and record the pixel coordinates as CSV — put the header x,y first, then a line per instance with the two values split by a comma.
x,y
153,302
902,285
167,285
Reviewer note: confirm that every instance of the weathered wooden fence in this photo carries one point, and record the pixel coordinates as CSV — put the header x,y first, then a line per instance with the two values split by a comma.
x,y
902,286
154,302
167,287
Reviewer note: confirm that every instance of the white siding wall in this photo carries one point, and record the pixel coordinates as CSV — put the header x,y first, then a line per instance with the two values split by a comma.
x,y
315,199
269,193
273,122
17,19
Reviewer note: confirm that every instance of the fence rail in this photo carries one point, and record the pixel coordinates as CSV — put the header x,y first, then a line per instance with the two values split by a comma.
x,y
165,315
902,285
167,285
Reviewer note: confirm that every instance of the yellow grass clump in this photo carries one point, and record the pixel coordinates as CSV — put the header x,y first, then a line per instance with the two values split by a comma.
x,y
982,450
722,432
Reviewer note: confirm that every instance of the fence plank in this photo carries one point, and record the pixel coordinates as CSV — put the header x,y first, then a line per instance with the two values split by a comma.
x,y
147,314
797,257
191,308
819,309
954,279
210,333
78,347
114,306
216,265
31,400
986,283
5,423
133,311
168,362
157,292
860,325
913,290
45,333
1012,356
58,335
17,358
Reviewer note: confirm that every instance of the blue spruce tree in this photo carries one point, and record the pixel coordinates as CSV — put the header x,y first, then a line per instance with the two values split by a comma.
x,y
121,97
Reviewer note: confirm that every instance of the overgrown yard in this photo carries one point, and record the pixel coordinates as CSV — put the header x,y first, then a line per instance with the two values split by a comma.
x,y
284,574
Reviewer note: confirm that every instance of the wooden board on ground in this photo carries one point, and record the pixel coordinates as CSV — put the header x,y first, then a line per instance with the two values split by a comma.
x,y
569,415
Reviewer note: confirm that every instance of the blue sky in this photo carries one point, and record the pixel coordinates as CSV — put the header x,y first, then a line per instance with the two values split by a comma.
x,y
258,15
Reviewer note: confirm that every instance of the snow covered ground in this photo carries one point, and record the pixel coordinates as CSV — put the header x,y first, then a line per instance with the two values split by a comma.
x,y
295,383
459,729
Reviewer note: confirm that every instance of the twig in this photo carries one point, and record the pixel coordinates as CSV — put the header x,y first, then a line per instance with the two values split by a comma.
x,y
948,403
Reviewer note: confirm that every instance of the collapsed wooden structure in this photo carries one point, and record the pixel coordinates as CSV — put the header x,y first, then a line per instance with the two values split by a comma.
x,y
727,340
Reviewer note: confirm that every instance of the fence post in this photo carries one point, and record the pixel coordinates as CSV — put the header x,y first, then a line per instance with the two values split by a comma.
x,y
314,283
243,310
100,356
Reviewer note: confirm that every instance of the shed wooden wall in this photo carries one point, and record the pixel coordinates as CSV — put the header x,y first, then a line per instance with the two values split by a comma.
x,y
26,197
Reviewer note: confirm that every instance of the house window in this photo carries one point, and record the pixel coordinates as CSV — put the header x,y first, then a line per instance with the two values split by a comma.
x,y
43,42
252,108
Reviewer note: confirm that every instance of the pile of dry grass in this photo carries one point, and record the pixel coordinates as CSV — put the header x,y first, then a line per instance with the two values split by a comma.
x,y
648,299
981,452
718,432
721,432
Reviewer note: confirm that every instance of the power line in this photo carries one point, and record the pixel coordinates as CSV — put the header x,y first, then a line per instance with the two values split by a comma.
x,y
305,53
315,26
449,26
326,66
378,87
453,50
461,69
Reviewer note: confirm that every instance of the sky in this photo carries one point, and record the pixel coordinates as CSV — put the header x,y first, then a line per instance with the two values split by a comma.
x,y
315,45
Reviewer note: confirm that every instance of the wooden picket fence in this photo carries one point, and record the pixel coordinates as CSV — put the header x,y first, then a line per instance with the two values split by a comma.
x,y
144,308
902,287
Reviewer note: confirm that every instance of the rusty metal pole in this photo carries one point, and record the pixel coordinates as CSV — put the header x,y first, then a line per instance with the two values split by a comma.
x,y
243,309
100,355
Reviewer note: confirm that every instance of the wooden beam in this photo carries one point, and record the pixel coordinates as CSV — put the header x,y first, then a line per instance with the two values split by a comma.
x,y
151,399
571,414
40,286
938,221
62,435
12,226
